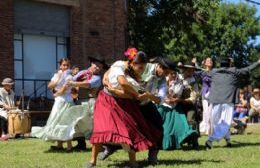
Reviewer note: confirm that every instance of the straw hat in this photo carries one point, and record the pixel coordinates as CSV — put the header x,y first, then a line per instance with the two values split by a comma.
x,y
7,81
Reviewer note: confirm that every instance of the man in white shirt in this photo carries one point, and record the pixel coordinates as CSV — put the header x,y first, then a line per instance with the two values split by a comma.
x,y
6,104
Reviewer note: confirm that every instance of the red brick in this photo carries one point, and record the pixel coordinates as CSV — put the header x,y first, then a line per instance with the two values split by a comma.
x,y
6,39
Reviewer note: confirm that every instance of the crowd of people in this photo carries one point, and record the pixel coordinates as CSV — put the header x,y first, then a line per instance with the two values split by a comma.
x,y
140,104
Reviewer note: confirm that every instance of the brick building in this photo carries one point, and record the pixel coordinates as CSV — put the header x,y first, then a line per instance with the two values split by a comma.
x,y
35,34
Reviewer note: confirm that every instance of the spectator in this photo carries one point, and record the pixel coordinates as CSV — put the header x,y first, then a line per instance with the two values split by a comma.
x,y
241,108
255,105
6,104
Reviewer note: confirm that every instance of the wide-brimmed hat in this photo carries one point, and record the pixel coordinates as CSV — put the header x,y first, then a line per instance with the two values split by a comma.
x,y
165,62
99,59
188,65
7,81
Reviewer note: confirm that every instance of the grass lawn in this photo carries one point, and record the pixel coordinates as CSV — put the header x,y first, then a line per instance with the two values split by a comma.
x,y
33,153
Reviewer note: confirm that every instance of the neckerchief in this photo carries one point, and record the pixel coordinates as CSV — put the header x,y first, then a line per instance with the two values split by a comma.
x,y
87,75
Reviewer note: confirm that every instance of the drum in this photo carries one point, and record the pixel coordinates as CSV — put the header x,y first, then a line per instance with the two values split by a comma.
x,y
18,122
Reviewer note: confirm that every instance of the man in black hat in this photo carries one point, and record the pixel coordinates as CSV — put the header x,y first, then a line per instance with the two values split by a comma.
x,y
223,96
89,79
154,80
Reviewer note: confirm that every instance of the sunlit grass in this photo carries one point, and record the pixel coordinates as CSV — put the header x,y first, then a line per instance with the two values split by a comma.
x,y
33,153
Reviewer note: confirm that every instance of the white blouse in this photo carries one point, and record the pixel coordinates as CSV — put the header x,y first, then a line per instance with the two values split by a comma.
x,y
63,78
6,98
176,87
255,102
118,69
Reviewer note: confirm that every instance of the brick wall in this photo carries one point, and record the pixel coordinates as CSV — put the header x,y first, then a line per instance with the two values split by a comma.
x,y
97,28
6,39
103,27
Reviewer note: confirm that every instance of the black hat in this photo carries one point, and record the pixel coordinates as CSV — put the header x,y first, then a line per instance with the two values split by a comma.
x,y
98,59
165,62
189,65
225,62
140,57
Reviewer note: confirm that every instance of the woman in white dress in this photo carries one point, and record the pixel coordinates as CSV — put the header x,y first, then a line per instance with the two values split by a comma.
x,y
54,128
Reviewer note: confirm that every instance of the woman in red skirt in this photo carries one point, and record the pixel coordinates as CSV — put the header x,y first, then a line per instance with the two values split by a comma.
x,y
117,119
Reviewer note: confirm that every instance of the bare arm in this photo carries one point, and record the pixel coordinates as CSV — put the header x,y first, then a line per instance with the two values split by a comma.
x,y
153,98
82,84
119,93
52,84
127,87
60,91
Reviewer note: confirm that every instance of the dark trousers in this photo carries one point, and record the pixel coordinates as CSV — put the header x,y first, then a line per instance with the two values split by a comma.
x,y
81,142
152,116
3,125
191,114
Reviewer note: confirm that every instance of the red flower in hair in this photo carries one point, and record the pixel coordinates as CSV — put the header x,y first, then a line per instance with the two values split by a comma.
x,y
130,53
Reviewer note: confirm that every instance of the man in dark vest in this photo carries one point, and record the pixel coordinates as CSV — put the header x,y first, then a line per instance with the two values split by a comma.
x,y
223,96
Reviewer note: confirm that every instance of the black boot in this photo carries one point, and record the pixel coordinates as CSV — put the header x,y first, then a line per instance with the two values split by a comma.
x,y
228,143
152,156
208,145
81,146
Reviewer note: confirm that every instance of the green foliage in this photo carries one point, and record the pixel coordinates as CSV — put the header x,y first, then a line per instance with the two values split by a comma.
x,y
182,29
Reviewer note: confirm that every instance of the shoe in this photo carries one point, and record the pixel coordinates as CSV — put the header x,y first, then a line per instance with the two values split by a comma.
x,y
132,165
152,162
152,157
79,148
56,148
90,165
208,145
195,145
104,155
4,138
228,143
69,150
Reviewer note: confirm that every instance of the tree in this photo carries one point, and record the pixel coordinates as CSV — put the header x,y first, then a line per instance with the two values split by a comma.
x,y
181,29
154,23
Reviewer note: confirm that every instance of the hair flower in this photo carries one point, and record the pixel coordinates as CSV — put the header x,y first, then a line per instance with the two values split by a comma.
x,y
130,53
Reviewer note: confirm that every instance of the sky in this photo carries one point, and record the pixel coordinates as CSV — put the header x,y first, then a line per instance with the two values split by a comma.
x,y
257,12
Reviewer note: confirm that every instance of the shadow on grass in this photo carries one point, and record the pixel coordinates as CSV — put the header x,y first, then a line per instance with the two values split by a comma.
x,y
237,144
64,151
167,162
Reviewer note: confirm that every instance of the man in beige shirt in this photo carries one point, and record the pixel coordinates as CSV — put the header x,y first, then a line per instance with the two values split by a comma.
x,y
6,104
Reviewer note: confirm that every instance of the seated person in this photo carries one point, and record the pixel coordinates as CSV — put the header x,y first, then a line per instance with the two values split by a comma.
x,y
254,105
6,104
241,107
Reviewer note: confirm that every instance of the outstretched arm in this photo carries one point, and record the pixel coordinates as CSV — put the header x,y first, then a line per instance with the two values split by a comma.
x,y
247,69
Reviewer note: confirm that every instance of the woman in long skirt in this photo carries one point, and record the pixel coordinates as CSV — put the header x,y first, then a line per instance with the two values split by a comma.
x,y
54,130
176,129
117,119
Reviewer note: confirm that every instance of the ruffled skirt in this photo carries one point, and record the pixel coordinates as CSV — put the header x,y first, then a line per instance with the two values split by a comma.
x,y
120,121
66,122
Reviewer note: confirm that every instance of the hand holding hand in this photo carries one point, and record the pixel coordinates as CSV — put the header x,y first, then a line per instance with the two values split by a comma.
x,y
144,96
